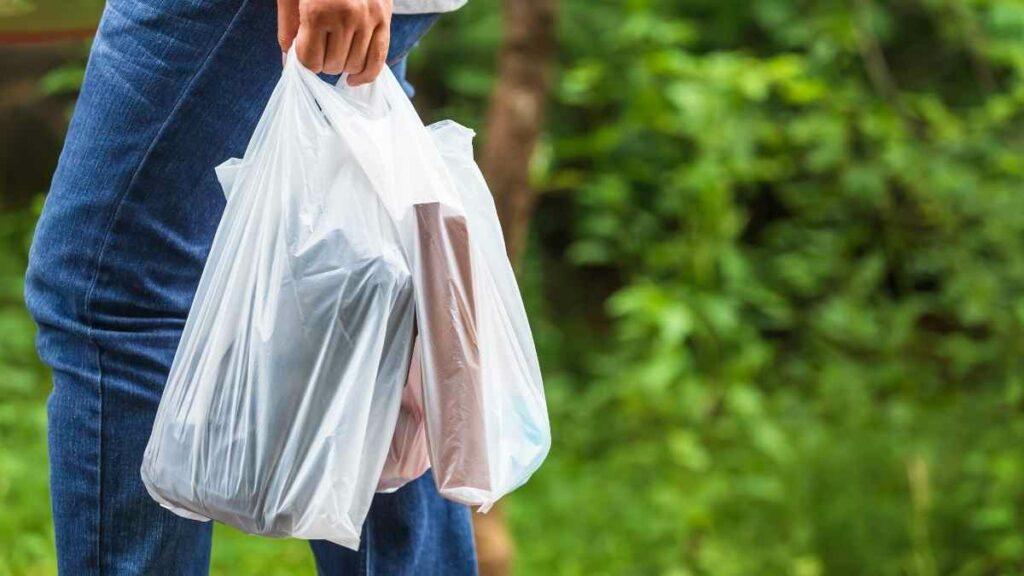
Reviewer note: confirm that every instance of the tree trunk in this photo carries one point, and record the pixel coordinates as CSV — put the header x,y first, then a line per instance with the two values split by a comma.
x,y
514,122
516,113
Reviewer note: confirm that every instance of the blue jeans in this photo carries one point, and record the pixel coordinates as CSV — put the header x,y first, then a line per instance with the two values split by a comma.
x,y
173,87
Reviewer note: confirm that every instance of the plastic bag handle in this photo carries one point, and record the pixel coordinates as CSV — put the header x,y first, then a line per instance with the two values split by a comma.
x,y
370,101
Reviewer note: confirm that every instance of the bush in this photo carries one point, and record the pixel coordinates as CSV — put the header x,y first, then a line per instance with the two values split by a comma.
x,y
780,247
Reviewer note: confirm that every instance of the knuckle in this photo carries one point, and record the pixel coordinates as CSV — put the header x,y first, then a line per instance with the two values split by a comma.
x,y
312,65
324,13
318,13
312,13
348,8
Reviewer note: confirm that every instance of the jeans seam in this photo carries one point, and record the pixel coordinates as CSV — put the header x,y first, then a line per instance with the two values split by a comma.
x,y
115,217
100,560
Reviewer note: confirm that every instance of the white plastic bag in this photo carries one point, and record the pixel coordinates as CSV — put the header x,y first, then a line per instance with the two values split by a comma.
x,y
283,395
484,415
506,380
346,219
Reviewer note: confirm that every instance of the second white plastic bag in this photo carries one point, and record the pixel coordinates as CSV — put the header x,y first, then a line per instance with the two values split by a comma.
x,y
486,416
475,370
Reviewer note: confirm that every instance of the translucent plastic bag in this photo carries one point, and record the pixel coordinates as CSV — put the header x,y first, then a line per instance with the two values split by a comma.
x,y
484,415
285,389
347,223
479,457
408,458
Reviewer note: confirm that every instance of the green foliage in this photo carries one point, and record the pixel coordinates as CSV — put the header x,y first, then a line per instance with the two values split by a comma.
x,y
63,80
784,328
20,16
26,533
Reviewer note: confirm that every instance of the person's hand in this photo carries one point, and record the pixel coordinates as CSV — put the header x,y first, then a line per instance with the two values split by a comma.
x,y
335,36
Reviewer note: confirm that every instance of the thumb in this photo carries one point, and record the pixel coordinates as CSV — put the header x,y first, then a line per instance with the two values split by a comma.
x,y
287,22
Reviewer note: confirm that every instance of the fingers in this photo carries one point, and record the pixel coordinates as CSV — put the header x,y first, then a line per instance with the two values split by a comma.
x,y
335,36
337,51
287,23
376,53
357,55
310,45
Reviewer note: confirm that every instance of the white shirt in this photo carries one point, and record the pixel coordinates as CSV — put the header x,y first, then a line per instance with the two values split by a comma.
x,y
424,6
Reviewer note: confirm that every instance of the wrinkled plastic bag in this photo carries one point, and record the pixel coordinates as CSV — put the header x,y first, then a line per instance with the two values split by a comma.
x,y
485,416
408,458
347,223
283,395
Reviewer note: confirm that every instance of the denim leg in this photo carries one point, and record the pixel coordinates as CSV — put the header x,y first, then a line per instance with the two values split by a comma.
x,y
410,532
404,39
173,88
117,254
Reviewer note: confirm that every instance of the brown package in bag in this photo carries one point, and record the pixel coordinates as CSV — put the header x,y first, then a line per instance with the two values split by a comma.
x,y
453,390
407,458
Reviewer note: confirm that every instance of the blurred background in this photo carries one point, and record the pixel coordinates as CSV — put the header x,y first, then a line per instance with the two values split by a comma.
x,y
773,254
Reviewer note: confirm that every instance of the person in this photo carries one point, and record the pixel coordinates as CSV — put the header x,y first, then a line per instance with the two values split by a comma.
x,y
172,88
